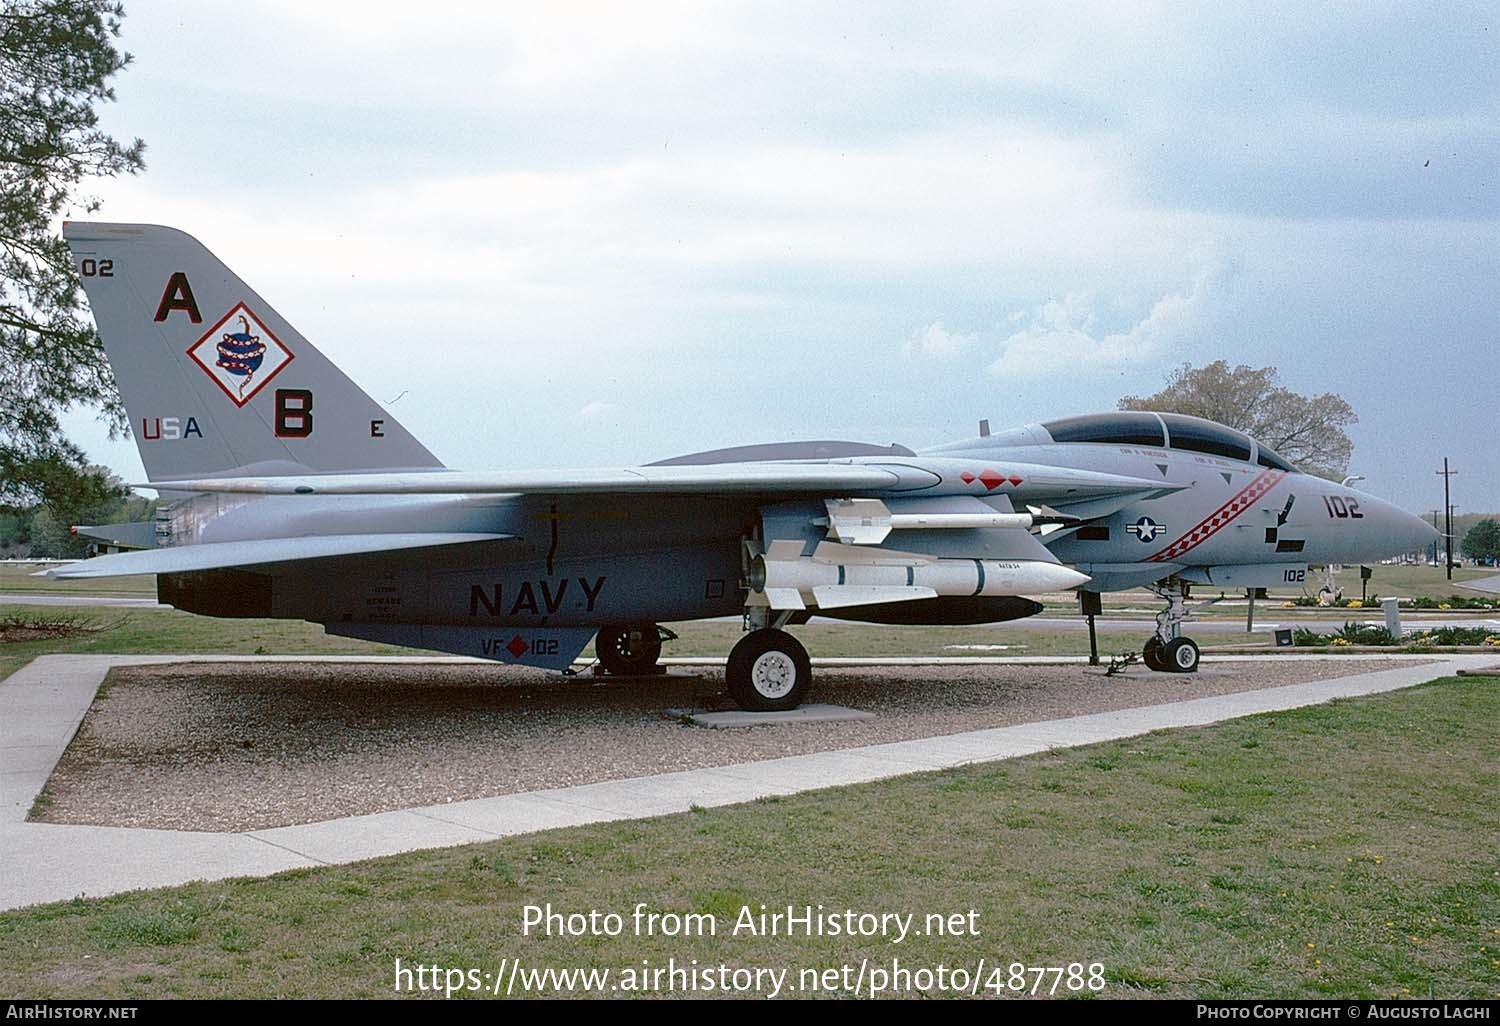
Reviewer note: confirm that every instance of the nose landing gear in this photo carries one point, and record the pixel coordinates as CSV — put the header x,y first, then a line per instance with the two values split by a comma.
x,y
1168,651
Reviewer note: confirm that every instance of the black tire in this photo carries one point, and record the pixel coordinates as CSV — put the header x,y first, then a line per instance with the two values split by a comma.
x,y
769,671
629,650
1181,656
1151,654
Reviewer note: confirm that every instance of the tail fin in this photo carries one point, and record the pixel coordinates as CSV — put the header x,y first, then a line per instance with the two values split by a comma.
x,y
213,379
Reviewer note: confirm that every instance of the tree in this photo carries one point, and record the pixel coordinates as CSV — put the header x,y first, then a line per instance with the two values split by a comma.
x,y
56,60
1483,541
51,530
1308,430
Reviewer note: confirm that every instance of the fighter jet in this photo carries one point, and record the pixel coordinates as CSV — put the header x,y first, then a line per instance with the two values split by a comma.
x,y
294,495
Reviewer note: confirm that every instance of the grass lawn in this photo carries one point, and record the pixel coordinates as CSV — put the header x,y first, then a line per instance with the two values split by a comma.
x,y
1342,850
1411,581
166,631
116,631
16,579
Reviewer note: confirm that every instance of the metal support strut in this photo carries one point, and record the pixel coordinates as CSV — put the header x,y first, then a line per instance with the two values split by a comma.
x,y
1168,649
1169,621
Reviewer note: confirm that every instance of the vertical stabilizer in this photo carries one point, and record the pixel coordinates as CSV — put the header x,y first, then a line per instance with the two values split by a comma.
x,y
213,379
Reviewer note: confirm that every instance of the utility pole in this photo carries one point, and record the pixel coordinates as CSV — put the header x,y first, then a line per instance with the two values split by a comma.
x,y
1434,541
1452,512
1448,519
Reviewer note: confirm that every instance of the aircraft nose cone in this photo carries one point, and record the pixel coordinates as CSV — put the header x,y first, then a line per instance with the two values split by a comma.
x,y
1420,533
1407,533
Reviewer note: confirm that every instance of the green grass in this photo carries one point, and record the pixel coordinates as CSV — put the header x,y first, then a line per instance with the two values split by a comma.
x,y
1409,581
1342,850
134,631
17,579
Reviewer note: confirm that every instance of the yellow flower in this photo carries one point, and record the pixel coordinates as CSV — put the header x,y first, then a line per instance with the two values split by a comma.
x,y
1356,604
1444,605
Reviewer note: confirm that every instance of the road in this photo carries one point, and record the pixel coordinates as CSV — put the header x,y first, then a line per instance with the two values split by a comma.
x,y
1489,584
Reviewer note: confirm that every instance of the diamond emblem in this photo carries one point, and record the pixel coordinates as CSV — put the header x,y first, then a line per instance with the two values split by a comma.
x,y
240,353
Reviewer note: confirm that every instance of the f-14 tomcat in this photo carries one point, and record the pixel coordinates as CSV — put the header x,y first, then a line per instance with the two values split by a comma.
x,y
295,495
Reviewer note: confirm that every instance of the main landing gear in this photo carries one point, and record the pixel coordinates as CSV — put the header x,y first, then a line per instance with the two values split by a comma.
x,y
1168,651
769,670
629,650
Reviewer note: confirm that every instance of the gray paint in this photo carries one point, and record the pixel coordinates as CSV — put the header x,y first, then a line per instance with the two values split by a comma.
x,y
323,527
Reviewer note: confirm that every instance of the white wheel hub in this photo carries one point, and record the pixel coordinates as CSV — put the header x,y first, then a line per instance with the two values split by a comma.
x,y
773,674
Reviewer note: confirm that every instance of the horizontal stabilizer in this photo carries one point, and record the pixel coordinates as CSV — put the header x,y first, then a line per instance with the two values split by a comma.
x,y
139,535
218,555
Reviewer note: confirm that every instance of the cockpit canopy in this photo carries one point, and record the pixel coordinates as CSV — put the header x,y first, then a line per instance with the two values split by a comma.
x,y
1165,430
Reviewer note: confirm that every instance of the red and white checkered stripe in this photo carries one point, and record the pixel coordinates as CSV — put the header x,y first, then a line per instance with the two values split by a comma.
x,y
1221,517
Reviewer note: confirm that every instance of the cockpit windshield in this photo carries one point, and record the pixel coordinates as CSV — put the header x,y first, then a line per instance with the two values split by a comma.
x,y
1205,436
1174,430
1109,428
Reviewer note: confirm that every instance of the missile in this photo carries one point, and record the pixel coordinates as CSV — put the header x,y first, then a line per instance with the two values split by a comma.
x,y
869,521
837,575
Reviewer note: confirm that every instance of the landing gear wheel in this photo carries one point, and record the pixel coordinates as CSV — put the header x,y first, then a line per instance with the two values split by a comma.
x,y
768,671
1180,656
629,650
1152,654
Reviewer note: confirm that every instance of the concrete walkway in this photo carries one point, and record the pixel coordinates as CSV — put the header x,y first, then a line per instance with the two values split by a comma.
x,y
42,705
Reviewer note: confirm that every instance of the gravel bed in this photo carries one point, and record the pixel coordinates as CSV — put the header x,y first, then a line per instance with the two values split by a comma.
x,y
243,746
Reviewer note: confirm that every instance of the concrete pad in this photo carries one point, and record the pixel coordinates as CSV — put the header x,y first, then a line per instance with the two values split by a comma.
x,y
812,713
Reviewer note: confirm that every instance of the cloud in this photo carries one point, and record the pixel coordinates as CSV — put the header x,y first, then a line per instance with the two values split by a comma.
x,y
598,410
936,340
1061,337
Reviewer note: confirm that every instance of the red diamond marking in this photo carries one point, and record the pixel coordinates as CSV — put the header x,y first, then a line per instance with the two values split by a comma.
x,y
966,477
517,647
1015,480
990,480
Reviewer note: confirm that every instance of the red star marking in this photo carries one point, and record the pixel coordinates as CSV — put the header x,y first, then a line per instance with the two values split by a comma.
x,y
966,477
990,480
1015,480
517,647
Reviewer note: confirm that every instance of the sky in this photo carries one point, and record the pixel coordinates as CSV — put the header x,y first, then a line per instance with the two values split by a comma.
x,y
572,235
